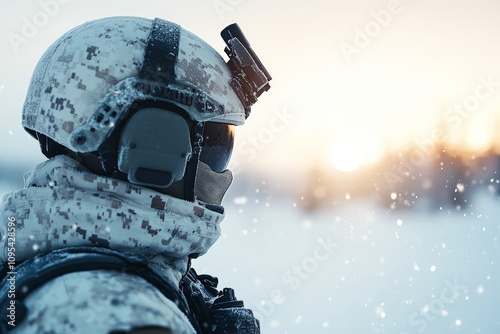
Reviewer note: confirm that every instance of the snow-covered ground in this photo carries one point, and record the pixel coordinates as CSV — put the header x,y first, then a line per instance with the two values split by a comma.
x,y
361,268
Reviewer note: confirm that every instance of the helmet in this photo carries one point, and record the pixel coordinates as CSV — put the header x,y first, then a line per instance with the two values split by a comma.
x,y
142,99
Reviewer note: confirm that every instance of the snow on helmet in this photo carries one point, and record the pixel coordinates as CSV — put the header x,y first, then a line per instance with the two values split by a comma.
x,y
87,80
99,90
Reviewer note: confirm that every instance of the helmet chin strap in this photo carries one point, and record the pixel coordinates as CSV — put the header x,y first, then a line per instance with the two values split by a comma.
x,y
210,187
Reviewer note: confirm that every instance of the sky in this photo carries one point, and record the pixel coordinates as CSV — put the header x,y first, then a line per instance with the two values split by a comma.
x,y
351,79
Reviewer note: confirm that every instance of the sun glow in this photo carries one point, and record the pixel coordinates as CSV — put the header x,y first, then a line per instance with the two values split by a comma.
x,y
351,150
479,134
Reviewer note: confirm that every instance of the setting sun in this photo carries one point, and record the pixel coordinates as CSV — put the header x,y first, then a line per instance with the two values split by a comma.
x,y
479,134
351,150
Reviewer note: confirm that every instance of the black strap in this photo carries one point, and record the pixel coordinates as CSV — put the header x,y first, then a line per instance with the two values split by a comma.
x,y
33,273
200,293
160,57
161,52
208,310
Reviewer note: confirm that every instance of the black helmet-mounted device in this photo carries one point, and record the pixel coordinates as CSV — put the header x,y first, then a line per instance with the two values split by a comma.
x,y
250,77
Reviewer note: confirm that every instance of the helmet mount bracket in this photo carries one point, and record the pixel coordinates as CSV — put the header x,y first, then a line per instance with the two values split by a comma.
x,y
250,77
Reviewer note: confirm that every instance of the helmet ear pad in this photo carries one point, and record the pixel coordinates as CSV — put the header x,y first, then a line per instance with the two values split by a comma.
x,y
154,147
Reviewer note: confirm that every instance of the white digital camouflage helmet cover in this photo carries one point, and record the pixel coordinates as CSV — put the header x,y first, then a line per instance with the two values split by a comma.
x,y
87,80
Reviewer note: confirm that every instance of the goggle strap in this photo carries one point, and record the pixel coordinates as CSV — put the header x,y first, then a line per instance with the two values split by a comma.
x,y
192,164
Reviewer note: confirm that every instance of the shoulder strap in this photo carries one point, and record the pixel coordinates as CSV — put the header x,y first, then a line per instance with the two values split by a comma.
x,y
208,310
33,273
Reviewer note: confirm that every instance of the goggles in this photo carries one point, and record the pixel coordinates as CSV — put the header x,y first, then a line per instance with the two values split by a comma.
x,y
217,145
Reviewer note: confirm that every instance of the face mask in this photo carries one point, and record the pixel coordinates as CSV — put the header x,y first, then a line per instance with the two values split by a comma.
x,y
210,187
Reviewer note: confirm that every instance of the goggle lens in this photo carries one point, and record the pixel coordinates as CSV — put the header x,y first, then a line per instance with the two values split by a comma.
x,y
217,146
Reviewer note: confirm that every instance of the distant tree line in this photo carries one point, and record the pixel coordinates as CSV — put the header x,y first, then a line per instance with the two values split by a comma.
x,y
438,180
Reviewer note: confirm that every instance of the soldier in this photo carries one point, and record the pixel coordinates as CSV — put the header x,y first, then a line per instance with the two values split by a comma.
x,y
137,119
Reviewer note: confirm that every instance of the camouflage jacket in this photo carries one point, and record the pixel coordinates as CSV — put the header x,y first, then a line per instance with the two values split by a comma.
x,y
63,205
